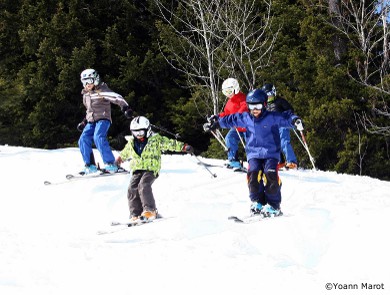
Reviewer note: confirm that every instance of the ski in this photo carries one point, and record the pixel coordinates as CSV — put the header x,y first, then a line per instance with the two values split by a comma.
x,y
117,226
241,169
81,176
211,165
251,218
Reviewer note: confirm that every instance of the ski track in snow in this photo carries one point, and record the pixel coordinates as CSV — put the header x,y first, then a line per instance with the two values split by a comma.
x,y
333,231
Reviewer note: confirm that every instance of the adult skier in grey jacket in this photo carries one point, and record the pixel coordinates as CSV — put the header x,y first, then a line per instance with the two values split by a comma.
x,y
97,99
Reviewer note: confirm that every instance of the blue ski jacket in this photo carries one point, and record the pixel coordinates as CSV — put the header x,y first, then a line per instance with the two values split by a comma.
x,y
262,139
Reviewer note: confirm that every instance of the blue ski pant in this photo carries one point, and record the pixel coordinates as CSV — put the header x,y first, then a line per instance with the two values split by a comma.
x,y
285,144
96,132
264,183
232,142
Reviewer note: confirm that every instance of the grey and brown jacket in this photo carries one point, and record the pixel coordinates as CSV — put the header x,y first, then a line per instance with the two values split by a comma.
x,y
98,103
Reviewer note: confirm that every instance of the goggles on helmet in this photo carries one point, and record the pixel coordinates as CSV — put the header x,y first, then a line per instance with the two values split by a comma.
x,y
138,133
258,106
87,81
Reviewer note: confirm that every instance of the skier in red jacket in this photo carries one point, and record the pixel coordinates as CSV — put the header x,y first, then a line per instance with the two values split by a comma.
x,y
235,104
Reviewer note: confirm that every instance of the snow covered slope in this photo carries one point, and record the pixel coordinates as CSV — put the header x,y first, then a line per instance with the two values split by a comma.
x,y
334,235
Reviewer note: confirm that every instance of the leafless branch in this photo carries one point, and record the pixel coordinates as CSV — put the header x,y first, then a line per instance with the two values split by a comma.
x,y
216,38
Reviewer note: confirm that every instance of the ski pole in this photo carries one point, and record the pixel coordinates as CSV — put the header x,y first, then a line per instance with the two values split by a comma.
x,y
220,135
304,143
177,135
204,165
239,135
219,140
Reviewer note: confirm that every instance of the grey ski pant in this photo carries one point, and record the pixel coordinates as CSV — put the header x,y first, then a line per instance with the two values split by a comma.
x,y
140,194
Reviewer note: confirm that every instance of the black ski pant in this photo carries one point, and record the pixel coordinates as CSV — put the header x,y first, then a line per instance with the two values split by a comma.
x,y
263,182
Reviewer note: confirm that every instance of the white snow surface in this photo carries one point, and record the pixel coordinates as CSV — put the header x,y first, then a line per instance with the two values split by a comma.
x,y
335,232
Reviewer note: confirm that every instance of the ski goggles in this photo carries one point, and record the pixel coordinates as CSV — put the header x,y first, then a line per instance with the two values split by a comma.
x,y
87,81
138,133
258,106
228,91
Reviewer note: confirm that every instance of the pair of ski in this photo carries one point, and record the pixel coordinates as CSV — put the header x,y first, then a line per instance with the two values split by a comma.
x,y
82,175
117,226
252,218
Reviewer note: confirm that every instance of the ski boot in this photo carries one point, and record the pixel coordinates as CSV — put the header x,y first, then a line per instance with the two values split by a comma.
x,y
234,165
256,208
269,211
89,169
149,215
291,165
111,168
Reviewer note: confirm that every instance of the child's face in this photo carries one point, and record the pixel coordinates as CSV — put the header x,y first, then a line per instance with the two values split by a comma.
x,y
256,109
228,92
256,113
139,134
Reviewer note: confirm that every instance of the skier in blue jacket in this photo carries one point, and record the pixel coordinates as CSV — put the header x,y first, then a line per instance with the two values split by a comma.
x,y
262,149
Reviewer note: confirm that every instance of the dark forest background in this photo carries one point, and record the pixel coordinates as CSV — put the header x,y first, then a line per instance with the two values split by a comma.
x,y
46,44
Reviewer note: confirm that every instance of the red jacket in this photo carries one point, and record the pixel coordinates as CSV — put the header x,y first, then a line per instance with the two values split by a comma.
x,y
236,104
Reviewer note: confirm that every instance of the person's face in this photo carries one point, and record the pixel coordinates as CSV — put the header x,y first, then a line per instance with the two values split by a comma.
x,y
228,92
255,109
88,83
139,134
89,86
271,98
256,113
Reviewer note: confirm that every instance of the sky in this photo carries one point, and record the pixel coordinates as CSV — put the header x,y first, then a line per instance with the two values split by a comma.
x,y
333,236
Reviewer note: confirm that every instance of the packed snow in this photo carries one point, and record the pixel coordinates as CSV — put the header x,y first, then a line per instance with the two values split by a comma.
x,y
333,237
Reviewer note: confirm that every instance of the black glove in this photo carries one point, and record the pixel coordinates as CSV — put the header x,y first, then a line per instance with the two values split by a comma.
x,y
213,118
298,124
128,112
188,149
81,125
207,127
212,123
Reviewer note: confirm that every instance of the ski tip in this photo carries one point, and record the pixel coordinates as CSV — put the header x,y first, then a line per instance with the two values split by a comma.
x,y
46,182
235,219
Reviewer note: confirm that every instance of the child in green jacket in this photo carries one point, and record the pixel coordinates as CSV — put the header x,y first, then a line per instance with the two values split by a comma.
x,y
144,150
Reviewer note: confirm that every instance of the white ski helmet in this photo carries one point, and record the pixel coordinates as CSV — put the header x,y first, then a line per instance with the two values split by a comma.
x,y
90,76
230,86
140,123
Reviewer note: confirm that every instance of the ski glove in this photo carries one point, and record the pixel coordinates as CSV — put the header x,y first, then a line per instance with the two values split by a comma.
x,y
298,124
188,149
128,112
213,119
208,127
81,125
212,123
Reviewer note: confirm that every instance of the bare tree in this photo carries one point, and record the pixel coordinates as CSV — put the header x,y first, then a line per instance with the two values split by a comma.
x,y
365,24
361,141
216,39
372,127
251,40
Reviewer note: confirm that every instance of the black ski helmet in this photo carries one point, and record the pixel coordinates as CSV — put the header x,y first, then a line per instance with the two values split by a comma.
x,y
269,89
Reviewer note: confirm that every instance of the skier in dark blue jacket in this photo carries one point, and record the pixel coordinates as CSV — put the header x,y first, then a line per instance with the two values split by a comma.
x,y
262,149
